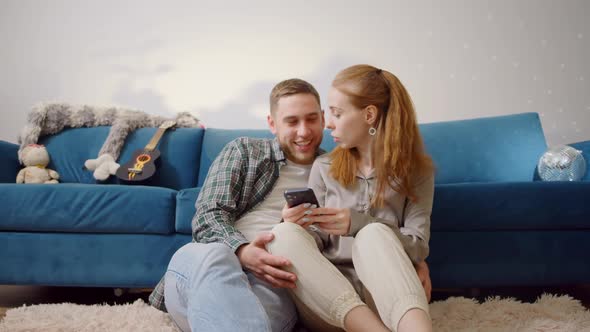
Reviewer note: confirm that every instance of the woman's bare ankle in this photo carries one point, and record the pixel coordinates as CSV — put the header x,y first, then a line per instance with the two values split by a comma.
x,y
361,318
415,320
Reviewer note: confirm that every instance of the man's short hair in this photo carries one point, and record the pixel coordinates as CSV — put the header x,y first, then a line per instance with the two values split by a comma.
x,y
290,87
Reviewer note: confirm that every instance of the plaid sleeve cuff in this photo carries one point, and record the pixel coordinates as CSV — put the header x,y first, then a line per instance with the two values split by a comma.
x,y
235,240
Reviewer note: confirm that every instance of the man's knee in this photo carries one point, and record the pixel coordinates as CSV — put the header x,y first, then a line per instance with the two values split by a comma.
x,y
206,255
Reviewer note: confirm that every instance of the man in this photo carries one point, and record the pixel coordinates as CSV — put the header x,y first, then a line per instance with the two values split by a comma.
x,y
225,280
205,286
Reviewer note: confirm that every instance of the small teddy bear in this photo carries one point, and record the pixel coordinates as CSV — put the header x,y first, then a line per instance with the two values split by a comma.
x,y
35,158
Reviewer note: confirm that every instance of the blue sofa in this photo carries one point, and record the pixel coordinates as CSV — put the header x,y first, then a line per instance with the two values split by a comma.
x,y
492,223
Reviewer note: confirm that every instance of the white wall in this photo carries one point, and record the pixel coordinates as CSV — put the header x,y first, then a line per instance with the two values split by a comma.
x,y
219,59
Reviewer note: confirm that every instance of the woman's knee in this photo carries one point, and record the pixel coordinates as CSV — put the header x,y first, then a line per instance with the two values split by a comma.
x,y
288,228
374,236
372,231
290,232
289,237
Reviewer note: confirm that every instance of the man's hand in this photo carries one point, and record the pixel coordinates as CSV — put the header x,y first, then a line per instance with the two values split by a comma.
x,y
424,276
332,221
265,266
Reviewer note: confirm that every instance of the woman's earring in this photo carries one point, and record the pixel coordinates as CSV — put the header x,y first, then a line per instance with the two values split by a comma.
x,y
372,131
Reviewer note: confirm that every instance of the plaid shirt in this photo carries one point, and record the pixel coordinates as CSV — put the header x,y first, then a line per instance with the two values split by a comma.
x,y
239,179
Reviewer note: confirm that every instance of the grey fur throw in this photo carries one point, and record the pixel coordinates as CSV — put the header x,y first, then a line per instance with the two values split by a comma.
x,y
51,118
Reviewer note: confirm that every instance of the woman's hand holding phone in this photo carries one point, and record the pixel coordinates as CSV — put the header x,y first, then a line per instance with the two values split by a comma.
x,y
299,214
300,205
332,220
302,209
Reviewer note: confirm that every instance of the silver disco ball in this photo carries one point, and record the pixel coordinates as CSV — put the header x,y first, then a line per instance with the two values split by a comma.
x,y
562,163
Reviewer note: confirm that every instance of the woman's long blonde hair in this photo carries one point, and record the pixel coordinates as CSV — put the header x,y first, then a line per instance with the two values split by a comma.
x,y
399,157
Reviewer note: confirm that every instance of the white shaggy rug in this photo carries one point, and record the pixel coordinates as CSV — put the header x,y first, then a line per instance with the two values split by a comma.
x,y
548,313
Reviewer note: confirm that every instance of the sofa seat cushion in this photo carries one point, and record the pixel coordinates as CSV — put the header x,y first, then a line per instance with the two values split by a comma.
x,y
85,208
509,258
185,209
511,206
86,259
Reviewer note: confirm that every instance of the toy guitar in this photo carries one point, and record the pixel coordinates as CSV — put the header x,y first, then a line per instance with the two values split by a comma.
x,y
142,164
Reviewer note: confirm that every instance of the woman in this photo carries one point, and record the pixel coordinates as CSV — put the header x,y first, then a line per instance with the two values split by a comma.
x,y
375,190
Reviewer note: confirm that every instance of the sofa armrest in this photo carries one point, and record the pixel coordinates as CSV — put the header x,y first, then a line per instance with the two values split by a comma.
x,y
9,164
584,146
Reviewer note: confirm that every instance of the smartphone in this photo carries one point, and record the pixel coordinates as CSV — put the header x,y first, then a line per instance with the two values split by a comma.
x,y
297,196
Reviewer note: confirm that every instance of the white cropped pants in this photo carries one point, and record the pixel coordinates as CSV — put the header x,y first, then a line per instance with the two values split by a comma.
x,y
379,260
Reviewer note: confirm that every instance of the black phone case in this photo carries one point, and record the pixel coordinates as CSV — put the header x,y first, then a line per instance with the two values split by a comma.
x,y
299,196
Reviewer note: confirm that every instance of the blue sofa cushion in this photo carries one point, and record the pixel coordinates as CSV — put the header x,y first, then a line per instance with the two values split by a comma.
x,y
90,260
9,166
178,164
585,148
215,139
511,206
84,208
509,258
494,149
185,209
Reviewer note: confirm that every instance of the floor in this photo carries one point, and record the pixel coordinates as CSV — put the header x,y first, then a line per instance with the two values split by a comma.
x,y
15,296
525,294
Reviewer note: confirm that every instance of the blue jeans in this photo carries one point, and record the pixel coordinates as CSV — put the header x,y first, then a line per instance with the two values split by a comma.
x,y
207,290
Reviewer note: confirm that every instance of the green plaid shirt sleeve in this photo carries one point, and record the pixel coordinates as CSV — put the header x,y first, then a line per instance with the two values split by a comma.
x,y
219,203
157,296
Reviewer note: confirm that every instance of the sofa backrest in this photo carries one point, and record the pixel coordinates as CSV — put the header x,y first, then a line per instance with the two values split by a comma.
x,y
178,165
215,139
584,146
9,165
491,149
